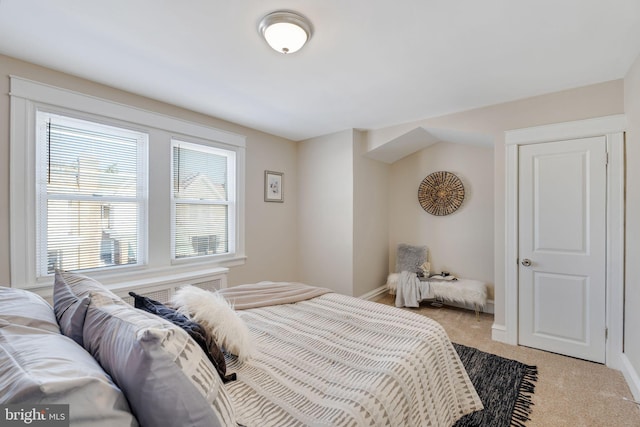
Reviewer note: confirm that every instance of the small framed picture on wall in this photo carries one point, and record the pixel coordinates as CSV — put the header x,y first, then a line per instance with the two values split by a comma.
x,y
273,186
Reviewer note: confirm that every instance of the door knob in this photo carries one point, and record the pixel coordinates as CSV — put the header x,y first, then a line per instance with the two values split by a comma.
x,y
526,262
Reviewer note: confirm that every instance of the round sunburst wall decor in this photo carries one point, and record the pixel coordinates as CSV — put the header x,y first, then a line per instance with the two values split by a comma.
x,y
441,193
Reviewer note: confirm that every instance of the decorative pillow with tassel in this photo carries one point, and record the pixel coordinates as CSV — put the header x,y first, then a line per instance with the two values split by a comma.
x,y
214,312
194,329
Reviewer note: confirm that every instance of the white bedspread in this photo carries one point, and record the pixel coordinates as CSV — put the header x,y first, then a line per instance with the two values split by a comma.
x,y
341,361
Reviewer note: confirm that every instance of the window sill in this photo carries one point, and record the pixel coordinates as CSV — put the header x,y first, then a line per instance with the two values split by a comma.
x,y
141,277
219,260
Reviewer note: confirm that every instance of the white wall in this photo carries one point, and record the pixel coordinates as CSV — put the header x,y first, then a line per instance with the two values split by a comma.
x,y
270,228
343,214
370,220
461,242
325,212
632,232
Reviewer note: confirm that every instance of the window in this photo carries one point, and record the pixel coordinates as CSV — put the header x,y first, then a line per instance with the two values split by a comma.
x,y
203,201
91,189
91,192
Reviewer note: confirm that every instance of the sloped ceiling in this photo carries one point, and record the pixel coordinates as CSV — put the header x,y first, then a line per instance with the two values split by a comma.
x,y
420,138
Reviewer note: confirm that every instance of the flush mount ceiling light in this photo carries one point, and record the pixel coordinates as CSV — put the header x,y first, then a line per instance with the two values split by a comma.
x,y
285,31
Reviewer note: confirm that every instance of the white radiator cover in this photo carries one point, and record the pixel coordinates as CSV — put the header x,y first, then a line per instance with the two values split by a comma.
x,y
160,287
163,288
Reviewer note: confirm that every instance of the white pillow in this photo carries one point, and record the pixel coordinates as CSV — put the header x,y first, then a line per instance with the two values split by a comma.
x,y
214,312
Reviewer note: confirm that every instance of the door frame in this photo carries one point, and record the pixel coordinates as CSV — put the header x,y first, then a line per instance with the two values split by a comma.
x,y
613,128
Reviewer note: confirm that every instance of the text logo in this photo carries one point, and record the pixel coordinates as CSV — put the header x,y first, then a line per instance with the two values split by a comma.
x,y
34,415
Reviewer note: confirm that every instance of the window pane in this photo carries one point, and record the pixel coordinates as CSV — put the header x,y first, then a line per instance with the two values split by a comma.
x,y
89,162
199,175
200,229
92,194
88,234
203,199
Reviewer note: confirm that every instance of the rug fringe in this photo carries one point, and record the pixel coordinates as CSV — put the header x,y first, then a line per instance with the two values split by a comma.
x,y
522,407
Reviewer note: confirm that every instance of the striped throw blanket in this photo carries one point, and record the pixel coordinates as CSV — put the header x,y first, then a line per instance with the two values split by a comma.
x,y
335,360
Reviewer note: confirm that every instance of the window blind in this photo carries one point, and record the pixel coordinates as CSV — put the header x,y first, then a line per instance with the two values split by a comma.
x,y
203,200
91,192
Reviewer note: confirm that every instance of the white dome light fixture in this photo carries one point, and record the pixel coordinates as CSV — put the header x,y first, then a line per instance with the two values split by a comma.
x,y
285,31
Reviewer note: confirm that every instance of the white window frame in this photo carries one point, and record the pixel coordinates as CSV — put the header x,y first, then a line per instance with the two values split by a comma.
x,y
231,202
27,97
141,198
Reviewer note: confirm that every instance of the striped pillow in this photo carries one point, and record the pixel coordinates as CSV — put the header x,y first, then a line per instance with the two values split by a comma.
x,y
166,377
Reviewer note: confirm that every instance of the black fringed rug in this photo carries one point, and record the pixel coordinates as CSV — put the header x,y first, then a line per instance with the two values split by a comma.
x,y
505,387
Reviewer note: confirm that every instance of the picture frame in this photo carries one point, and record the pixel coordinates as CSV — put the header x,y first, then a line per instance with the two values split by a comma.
x,y
273,186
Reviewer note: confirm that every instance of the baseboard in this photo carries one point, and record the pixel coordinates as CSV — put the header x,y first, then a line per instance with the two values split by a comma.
x,y
631,376
499,333
488,308
374,293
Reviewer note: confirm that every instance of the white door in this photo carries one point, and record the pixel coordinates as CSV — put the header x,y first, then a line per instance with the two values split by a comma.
x,y
562,247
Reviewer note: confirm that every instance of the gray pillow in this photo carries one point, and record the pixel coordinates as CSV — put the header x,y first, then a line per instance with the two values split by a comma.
x,y
40,366
71,298
69,308
81,286
165,375
26,308
410,258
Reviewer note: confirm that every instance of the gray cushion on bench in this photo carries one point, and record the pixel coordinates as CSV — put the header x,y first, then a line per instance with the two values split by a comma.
x,y
410,258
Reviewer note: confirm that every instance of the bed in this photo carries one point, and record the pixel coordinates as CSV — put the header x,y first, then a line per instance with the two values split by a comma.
x,y
319,359
334,360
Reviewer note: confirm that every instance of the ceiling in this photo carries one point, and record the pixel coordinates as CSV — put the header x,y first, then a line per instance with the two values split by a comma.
x,y
369,64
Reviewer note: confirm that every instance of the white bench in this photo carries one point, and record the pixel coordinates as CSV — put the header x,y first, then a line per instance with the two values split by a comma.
x,y
463,291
